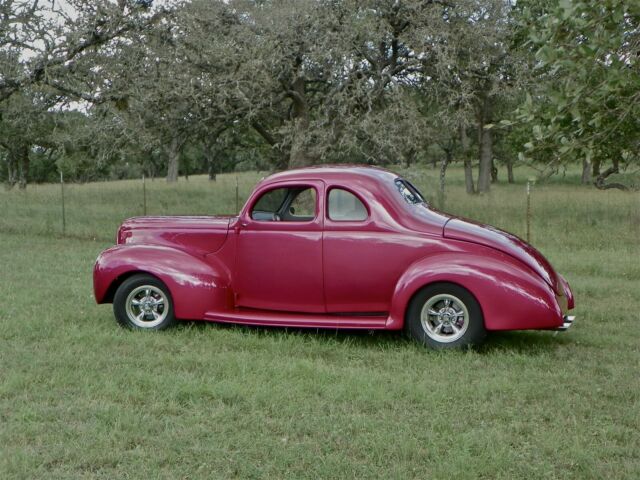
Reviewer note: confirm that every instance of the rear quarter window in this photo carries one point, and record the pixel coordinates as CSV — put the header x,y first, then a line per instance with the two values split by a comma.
x,y
344,206
408,192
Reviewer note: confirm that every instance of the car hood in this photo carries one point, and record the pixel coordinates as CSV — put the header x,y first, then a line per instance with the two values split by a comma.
x,y
198,235
459,229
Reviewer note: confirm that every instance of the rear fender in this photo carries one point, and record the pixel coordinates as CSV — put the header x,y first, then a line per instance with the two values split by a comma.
x,y
195,285
511,296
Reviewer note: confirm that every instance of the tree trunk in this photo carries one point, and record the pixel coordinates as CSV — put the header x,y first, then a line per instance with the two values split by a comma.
x,y
485,137
600,182
468,171
173,154
12,170
213,174
23,166
299,154
486,153
596,168
510,177
586,172
212,160
494,172
408,155
443,171
18,166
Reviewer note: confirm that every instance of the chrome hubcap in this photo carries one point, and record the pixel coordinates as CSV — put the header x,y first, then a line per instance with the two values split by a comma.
x,y
444,318
147,306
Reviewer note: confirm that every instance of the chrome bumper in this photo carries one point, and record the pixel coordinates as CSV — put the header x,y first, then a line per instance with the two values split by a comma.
x,y
567,322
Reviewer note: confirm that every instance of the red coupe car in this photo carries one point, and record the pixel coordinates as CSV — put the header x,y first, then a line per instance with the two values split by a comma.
x,y
333,247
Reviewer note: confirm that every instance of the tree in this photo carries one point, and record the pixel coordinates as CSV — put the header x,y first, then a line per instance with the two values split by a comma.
x,y
314,78
588,104
25,123
479,73
208,84
42,43
49,48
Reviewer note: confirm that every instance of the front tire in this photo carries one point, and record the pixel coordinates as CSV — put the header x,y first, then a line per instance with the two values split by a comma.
x,y
143,302
445,315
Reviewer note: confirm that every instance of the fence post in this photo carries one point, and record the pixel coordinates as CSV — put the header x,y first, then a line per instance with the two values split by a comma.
x,y
64,220
144,195
237,196
528,211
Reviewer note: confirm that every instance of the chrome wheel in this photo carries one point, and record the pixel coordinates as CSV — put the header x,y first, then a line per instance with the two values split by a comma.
x,y
147,306
444,318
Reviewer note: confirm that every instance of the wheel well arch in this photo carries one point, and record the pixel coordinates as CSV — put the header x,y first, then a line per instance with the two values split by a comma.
x,y
120,279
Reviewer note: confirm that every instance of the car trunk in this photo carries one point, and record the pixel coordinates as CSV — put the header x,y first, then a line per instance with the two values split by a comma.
x,y
459,229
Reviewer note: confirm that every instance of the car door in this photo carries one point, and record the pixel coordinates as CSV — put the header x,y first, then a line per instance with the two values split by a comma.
x,y
279,256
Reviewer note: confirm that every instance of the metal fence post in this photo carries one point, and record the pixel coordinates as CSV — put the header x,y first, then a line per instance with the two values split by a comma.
x,y
64,220
144,195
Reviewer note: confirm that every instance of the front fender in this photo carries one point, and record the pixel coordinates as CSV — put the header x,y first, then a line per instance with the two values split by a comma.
x,y
512,297
195,285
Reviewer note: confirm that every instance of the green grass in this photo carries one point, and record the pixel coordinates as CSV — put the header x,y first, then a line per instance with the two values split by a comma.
x,y
82,398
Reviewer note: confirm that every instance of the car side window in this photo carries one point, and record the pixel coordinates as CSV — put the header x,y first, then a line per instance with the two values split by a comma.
x,y
303,205
286,204
270,201
344,206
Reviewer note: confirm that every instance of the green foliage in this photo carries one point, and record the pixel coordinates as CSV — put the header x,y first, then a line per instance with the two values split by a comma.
x,y
115,89
587,104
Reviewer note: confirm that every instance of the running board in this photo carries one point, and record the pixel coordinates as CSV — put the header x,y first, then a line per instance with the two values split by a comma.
x,y
298,320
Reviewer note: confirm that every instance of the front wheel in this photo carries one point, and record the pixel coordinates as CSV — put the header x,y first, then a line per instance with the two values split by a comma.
x,y
445,315
143,302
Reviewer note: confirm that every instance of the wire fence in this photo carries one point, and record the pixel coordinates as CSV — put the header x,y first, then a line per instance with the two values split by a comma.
x,y
94,210
541,214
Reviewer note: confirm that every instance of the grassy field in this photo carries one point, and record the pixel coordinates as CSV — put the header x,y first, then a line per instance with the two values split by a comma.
x,y
82,398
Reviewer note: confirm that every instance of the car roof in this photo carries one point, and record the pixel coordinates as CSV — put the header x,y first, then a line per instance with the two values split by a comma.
x,y
343,173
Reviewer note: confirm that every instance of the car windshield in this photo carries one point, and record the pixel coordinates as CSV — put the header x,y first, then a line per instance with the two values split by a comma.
x,y
410,193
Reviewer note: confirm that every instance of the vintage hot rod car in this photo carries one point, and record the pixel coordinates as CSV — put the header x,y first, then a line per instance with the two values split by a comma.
x,y
333,247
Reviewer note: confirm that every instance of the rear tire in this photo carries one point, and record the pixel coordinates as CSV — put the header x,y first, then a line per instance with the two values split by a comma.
x,y
143,302
445,315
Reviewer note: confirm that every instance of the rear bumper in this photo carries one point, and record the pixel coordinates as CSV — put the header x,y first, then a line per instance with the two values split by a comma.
x,y
567,321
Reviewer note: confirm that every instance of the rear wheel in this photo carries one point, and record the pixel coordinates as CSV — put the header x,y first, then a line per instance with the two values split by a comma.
x,y
445,315
143,302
